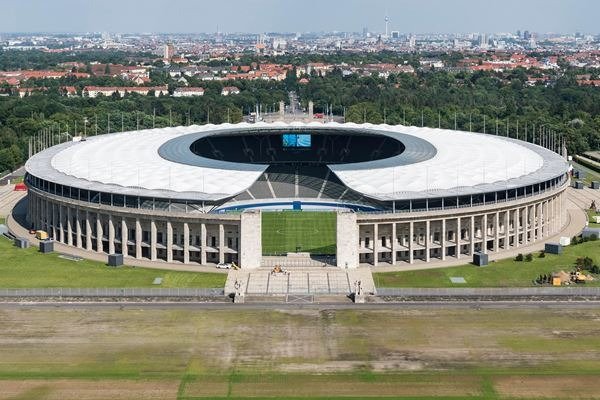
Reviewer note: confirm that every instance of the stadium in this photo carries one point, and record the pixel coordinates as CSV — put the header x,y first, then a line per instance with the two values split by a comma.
x,y
349,194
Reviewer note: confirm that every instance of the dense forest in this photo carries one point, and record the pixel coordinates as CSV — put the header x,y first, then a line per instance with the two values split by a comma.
x,y
470,101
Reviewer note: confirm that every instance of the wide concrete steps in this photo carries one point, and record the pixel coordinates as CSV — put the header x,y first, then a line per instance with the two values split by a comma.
x,y
300,281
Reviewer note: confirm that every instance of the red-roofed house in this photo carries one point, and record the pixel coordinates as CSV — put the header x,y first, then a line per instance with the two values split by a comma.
x,y
227,90
188,92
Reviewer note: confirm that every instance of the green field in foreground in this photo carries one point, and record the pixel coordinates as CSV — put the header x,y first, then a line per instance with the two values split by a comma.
x,y
29,268
291,231
123,353
502,273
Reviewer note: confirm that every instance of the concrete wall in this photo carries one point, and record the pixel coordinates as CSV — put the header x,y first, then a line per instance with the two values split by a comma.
x,y
250,239
346,240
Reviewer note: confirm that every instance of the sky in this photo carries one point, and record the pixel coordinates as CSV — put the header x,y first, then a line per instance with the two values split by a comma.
x,y
253,16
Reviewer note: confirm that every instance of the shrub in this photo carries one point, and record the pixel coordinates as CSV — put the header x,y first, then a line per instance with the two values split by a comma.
x,y
519,257
542,254
529,257
593,237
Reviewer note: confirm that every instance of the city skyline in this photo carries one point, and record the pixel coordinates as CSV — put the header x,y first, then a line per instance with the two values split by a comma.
x,y
428,16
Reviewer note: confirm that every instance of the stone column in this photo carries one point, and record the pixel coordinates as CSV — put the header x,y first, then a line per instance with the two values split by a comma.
x,y
78,240
472,236
541,226
186,243
250,248
427,241
54,221
497,231
69,228
411,233
88,232
546,216
443,239
536,221
169,242
221,243
99,234
394,243
111,235
375,244
138,239
458,238
517,226
484,228
153,237
61,233
124,238
555,220
506,229
526,225
203,234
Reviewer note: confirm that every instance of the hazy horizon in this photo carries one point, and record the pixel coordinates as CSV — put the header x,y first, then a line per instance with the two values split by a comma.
x,y
253,16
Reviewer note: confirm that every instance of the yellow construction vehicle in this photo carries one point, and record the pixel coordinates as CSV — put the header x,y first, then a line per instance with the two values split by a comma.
x,y
579,277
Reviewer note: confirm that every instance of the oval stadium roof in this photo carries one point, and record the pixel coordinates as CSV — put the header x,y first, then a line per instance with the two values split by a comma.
x,y
159,163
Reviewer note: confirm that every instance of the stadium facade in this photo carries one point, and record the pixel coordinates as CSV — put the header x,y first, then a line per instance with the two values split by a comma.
x,y
195,194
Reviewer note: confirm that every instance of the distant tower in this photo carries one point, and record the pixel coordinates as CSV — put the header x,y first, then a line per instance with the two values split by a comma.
x,y
412,41
387,23
483,41
169,51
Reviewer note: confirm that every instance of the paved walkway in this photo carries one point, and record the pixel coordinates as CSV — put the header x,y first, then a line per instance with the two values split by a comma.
x,y
8,199
300,281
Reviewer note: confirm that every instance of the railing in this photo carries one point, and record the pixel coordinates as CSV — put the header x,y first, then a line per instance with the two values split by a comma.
x,y
491,292
112,292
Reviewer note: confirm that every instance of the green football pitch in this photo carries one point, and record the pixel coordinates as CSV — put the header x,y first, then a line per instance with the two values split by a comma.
x,y
292,231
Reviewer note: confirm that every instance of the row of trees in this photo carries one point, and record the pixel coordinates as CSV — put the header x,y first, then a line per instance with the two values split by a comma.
x,y
478,101
469,101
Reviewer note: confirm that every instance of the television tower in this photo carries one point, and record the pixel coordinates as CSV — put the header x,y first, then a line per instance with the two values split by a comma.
x,y
387,23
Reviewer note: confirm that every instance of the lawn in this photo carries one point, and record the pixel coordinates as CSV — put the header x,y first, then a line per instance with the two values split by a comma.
x,y
29,268
590,174
503,273
129,352
592,224
292,231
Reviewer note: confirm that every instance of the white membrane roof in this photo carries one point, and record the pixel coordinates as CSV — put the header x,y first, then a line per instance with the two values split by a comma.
x,y
453,163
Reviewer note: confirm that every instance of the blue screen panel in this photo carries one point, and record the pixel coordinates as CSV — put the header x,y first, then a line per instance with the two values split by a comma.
x,y
289,140
296,140
303,140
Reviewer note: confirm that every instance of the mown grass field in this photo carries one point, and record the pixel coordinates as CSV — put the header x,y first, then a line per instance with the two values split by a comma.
x,y
129,352
31,269
591,214
502,273
305,231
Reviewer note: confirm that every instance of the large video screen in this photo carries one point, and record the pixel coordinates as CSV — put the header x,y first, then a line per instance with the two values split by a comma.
x,y
296,140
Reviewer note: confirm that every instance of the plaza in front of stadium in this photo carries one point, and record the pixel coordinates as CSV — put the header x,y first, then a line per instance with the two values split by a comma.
x,y
298,196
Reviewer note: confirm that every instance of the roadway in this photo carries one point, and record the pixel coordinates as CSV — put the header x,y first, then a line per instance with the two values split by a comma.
x,y
477,305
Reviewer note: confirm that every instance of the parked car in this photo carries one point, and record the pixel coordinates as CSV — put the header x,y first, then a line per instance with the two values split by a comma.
x,y
224,265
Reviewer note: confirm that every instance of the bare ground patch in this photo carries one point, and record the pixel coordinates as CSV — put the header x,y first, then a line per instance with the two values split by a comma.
x,y
557,387
77,389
